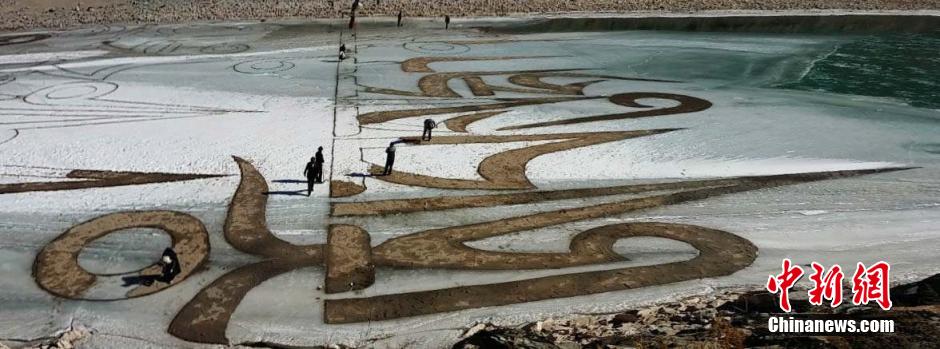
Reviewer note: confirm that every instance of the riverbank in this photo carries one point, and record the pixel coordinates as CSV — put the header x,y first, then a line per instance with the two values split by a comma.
x,y
19,15
725,319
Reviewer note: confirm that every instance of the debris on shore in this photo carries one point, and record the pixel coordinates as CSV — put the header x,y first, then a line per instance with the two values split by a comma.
x,y
727,319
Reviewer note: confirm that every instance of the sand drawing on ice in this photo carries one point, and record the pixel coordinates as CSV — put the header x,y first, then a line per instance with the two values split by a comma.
x,y
351,261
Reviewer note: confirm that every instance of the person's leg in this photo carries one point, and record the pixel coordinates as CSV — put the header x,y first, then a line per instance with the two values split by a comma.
x,y
429,134
310,185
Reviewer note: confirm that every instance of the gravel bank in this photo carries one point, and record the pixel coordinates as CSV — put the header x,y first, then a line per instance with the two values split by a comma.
x,y
62,14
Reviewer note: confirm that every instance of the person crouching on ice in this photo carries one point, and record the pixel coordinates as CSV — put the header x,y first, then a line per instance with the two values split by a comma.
x,y
170,268
428,126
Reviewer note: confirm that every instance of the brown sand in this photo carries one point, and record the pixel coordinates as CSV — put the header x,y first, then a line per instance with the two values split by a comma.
x,y
57,271
59,14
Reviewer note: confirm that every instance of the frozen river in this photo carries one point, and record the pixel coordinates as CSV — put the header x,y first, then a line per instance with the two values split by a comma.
x,y
110,134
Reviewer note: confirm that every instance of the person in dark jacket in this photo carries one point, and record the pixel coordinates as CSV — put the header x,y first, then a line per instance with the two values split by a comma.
x,y
311,173
171,266
446,21
389,159
318,165
399,18
169,269
428,126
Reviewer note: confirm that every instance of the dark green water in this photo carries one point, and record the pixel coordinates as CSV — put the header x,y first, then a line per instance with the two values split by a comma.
x,y
901,66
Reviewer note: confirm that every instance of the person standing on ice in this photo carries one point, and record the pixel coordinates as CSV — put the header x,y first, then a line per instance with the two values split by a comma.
x,y
318,165
446,21
428,126
352,14
389,159
311,173
399,18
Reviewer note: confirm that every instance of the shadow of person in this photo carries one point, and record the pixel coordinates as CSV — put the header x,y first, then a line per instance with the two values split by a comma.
x,y
290,181
288,192
145,280
359,174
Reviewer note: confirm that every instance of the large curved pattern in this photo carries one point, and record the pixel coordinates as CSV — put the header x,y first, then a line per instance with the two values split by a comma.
x,y
348,257
100,179
205,318
398,206
720,253
57,271
420,64
460,123
70,91
436,84
225,48
687,104
263,66
506,170
436,47
443,248
351,262
378,117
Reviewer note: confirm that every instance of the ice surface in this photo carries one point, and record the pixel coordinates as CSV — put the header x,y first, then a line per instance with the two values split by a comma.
x,y
190,97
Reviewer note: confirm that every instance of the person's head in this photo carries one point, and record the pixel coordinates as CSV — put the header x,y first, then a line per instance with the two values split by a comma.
x,y
313,158
319,148
166,260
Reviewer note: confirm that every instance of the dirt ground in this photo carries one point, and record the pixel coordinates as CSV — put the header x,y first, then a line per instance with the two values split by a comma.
x,y
60,14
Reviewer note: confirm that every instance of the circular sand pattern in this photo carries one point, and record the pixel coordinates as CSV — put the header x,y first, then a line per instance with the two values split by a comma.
x,y
224,48
21,38
436,47
75,91
57,270
263,66
80,90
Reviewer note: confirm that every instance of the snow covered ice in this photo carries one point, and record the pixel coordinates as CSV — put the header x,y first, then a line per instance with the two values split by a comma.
x,y
185,99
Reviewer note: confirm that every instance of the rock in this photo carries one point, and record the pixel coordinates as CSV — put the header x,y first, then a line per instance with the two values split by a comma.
x,y
506,338
762,302
923,292
647,313
473,330
622,318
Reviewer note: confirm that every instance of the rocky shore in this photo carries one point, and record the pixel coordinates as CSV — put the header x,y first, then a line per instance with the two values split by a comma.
x,y
728,319
62,14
